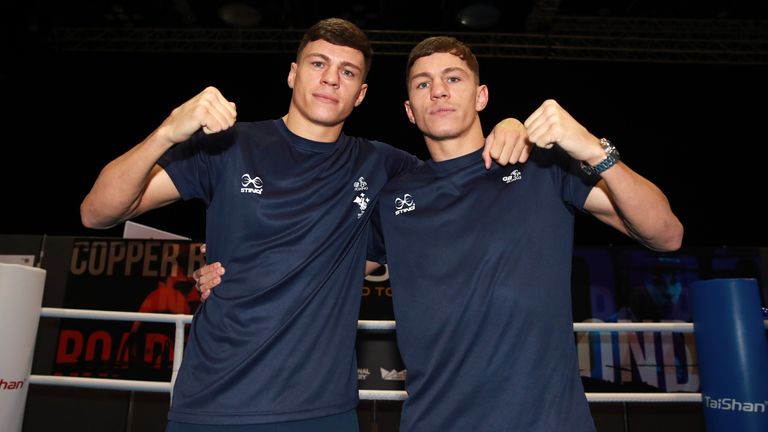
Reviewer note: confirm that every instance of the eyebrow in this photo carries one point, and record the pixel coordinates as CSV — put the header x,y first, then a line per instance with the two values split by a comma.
x,y
328,60
444,72
449,70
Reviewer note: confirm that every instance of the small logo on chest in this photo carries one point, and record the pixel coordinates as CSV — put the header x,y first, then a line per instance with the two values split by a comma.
x,y
251,184
512,177
361,185
404,204
362,202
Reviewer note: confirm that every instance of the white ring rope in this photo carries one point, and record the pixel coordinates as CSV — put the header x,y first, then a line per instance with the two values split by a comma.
x,y
392,395
396,395
113,315
102,383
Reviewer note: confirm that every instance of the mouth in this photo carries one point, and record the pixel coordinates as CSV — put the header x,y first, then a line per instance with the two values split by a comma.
x,y
325,98
441,111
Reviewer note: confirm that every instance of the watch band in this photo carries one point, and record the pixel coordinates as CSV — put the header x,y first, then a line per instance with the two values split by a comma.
x,y
611,157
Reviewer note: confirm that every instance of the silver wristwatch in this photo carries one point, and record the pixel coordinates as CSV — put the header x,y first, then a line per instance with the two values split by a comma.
x,y
611,157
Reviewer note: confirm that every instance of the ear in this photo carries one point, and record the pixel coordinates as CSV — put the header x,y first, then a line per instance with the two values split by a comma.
x,y
482,97
361,94
409,112
292,74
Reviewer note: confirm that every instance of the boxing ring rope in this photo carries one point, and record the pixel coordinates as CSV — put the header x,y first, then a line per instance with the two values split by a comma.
x,y
392,395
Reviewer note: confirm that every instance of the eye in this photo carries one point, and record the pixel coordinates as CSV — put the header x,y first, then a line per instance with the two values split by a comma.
x,y
453,79
422,85
317,64
348,73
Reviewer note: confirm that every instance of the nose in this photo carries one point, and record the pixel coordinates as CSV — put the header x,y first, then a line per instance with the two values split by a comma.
x,y
330,77
439,90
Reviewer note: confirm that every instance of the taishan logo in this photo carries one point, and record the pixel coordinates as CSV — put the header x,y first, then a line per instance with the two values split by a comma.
x,y
11,385
404,204
247,181
731,404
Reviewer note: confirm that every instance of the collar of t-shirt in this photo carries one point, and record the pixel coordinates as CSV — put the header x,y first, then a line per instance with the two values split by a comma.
x,y
451,165
305,144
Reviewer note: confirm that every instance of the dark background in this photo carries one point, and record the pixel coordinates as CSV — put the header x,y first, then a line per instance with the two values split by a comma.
x,y
685,106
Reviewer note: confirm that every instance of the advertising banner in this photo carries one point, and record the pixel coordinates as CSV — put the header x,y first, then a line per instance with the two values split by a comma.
x,y
130,276
733,354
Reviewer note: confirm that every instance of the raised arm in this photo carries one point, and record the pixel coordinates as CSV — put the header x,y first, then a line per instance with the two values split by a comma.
x,y
622,198
134,183
635,206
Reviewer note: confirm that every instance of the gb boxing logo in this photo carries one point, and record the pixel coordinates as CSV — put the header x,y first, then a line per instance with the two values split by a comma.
x,y
247,181
362,202
361,185
404,204
512,177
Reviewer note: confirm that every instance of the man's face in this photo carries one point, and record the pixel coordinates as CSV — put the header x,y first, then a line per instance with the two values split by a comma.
x,y
443,97
664,287
327,82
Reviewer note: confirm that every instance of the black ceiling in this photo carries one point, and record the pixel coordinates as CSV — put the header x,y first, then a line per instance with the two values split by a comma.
x,y
95,101
699,31
498,16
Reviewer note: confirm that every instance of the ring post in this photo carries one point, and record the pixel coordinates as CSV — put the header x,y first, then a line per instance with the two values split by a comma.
x,y
732,354
21,296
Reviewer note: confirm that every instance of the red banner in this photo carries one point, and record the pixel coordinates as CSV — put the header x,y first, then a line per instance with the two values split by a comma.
x,y
132,276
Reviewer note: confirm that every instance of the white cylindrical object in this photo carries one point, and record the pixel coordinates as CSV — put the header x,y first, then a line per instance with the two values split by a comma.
x,y
21,296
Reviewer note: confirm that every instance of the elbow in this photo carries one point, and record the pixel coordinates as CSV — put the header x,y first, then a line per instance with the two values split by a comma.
x,y
672,239
89,219
86,217
675,241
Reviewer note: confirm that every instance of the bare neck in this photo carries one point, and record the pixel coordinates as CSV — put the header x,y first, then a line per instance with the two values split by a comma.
x,y
305,128
453,147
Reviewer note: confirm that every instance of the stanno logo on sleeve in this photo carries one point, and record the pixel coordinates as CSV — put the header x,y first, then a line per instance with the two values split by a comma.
x,y
362,202
404,204
251,184
512,177
361,185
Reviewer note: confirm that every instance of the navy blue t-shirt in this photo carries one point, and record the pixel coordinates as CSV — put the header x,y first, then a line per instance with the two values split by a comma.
x,y
287,217
479,263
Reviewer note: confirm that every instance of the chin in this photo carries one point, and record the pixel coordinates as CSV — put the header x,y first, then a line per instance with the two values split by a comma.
x,y
327,120
440,135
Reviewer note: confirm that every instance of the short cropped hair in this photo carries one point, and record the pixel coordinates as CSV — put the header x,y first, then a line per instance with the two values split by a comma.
x,y
443,44
339,32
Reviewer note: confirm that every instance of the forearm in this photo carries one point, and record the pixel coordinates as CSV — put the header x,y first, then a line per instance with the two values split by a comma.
x,y
117,193
642,209
623,198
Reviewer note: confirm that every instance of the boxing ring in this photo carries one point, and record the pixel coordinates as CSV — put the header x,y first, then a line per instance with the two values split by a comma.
x,y
180,321
730,337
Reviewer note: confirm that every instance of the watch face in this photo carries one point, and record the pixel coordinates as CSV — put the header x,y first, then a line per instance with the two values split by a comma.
x,y
607,146
610,150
